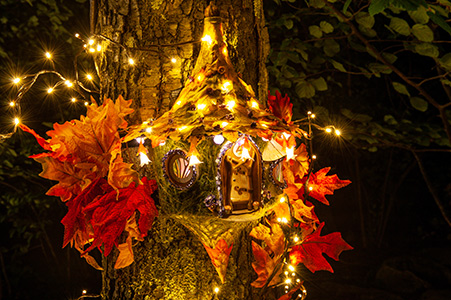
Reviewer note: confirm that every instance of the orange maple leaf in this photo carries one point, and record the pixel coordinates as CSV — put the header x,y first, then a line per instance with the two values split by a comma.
x,y
219,256
264,266
321,185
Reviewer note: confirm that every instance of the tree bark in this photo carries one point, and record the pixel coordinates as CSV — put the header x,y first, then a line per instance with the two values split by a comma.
x,y
172,263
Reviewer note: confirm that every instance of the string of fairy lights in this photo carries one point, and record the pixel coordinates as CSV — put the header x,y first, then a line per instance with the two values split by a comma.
x,y
78,87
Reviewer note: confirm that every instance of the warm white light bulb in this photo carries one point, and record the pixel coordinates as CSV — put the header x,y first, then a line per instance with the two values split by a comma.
x,y
218,139
313,156
68,83
224,124
91,42
193,160
89,76
216,290
207,39
16,80
131,61
173,60
290,153
48,55
310,188
12,103
143,159
149,129
296,239
99,48
50,90
201,106
313,116
282,200
226,86
328,130
230,104
254,104
337,132
92,50
77,35
16,121
291,268
73,100
86,103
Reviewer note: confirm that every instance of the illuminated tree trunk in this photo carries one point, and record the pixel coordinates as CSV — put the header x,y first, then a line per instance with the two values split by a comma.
x,y
162,38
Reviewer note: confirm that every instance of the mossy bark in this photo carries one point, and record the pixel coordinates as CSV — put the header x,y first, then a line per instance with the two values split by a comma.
x,y
172,263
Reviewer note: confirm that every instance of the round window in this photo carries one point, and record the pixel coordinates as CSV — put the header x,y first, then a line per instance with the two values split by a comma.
x,y
177,170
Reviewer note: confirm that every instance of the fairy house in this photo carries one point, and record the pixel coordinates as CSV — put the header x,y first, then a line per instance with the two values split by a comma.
x,y
212,141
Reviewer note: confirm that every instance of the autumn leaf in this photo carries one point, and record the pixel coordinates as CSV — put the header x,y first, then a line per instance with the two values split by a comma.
x,y
273,237
126,256
310,252
293,290
108,215
71,180
321,185
281,107
264,266
91,260
219,256
81,150
75,223
41,141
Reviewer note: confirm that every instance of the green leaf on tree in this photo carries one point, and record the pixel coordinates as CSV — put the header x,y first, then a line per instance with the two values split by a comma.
x,y
391,58
288,23
419,103
317,3
331,47
377,6
423,32
427,49
338,66
315,31
365,19
369,32
440,21
400,88
420,15
305,89
390,120
400,26
326,27
355,117
319,84
445,61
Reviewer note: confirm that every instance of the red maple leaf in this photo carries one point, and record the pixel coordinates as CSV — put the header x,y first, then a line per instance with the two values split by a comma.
x,y
281,107
75,223
310,252
321,185
109,213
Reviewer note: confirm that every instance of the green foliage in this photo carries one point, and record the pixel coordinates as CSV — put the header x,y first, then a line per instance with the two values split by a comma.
x,y
337,45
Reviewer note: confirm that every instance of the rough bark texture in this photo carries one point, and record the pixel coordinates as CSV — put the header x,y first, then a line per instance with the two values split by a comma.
x,y
171,263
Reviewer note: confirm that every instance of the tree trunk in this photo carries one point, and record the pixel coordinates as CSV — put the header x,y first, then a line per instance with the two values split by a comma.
x,y
172,263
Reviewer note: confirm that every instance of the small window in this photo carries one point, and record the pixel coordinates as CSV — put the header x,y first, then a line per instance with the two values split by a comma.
x,y
276,174
177,170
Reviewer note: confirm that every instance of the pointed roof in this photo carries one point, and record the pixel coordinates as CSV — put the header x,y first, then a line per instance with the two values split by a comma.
x,y
215,99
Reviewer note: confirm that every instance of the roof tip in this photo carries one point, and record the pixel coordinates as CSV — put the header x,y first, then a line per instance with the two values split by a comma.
x,y
211,10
